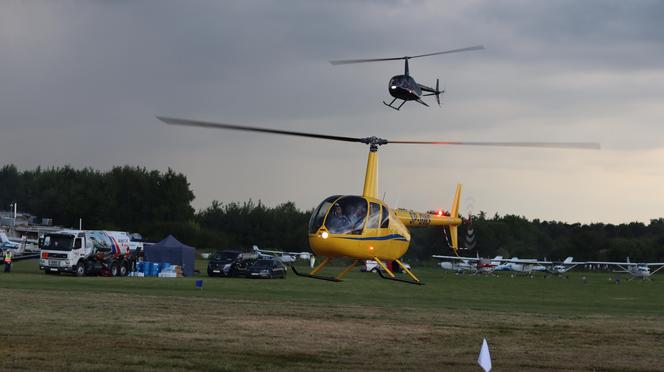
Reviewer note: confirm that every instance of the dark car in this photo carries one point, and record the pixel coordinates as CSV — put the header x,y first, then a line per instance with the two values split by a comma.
x,y
267,269
221,262
240,267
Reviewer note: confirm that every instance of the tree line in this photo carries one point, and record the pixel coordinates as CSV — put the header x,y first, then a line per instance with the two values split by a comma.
x,y
124,198
157,203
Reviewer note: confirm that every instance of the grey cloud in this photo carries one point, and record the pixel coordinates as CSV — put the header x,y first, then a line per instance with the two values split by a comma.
x,y
80,83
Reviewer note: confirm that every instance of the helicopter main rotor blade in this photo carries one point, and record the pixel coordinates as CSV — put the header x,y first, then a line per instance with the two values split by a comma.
x,y
206,124
551,145
375,140
348,61
476,47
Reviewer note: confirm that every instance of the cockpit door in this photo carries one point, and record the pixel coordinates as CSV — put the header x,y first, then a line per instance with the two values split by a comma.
x,y
372,227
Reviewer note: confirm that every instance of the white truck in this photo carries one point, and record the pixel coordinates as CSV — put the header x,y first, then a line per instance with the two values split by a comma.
x,y
88,252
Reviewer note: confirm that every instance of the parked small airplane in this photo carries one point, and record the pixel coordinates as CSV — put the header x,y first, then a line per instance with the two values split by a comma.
x,y
476,265
636,270
563,267
18,249
519,265
287,257
5,243
528,266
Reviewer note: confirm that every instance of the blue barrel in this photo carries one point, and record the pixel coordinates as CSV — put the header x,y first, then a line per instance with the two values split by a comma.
x,y
155,269
140,267
147,268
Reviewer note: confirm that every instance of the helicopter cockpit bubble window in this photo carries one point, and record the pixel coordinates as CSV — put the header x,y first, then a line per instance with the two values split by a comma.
x,y
385,221
410,84
374,216
347,215
396,81
316,220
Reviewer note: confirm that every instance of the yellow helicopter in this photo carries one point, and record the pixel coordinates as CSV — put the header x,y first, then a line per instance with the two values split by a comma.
x,y
363,227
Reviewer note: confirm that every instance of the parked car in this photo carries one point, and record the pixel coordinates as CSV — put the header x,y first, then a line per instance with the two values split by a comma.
x,y
221,262
240,267
267,269
370,265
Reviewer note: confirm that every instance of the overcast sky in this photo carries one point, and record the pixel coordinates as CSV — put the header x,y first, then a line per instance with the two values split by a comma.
x,y
82,81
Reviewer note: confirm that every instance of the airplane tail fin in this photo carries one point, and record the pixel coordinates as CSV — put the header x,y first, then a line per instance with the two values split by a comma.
x,y
569,260
454,213
496,260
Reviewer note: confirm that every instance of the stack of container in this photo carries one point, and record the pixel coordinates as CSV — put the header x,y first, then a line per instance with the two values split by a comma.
x,y
162,270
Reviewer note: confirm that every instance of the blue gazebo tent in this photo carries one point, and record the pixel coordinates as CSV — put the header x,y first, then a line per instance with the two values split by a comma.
x,y
172,251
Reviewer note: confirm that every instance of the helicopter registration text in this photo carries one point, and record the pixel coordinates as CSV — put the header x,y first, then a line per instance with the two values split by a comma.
x,y
419,218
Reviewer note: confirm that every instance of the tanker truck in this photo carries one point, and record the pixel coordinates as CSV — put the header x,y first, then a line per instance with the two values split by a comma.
x,y
88,252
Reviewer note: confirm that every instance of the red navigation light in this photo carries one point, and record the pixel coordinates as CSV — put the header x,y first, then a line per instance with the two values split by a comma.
x,y
440,212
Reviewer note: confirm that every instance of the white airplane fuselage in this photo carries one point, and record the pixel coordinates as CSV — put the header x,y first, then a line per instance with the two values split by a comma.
x,y
639,271
457,266
520,267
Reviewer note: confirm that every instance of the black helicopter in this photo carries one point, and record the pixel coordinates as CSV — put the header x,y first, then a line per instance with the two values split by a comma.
x,y
404,87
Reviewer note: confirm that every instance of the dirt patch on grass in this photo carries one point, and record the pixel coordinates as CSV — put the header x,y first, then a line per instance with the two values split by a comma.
x,y
111,331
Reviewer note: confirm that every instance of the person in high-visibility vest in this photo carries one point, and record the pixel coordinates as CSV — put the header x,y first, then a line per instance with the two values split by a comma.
x,y
8,261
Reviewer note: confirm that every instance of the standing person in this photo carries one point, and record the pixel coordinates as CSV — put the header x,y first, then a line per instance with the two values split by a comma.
x,y
8,260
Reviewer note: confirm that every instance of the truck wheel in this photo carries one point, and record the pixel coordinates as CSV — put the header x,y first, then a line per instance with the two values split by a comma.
x,y
114,269
123,269
79,269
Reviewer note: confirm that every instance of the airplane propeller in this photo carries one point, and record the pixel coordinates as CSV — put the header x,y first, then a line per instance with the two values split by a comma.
x,y
375,141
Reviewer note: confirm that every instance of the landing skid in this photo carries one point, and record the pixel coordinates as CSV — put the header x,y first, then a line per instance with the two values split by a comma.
x,y
319,277
396,279
312,274
391,274
390,104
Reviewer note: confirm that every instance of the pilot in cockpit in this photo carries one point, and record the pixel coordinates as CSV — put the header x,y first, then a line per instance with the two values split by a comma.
x,y
339,223
358,216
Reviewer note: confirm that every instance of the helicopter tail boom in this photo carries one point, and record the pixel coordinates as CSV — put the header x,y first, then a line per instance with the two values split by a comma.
x,y
417,219
432,92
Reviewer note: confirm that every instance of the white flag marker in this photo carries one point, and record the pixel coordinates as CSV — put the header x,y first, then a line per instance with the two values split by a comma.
x,y
484,360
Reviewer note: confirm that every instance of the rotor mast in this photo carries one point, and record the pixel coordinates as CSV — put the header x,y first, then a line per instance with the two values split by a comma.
x,y
370,178
371,175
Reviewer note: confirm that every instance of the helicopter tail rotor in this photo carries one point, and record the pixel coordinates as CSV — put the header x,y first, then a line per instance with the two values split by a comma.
x,y
438,91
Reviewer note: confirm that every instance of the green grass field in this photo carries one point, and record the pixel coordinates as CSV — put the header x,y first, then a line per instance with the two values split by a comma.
x,y
365,323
